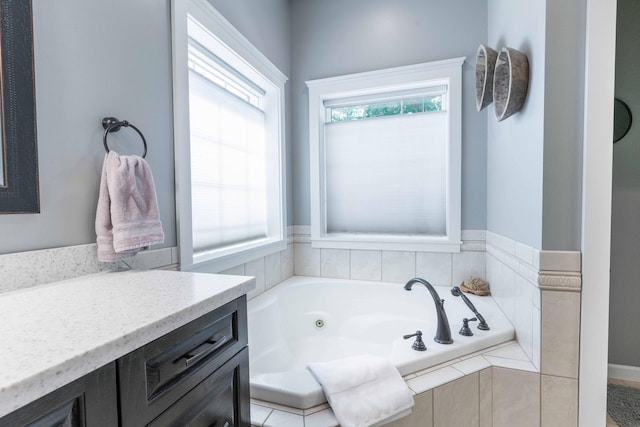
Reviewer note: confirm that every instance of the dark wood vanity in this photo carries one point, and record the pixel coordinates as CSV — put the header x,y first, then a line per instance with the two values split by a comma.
x,y
194,375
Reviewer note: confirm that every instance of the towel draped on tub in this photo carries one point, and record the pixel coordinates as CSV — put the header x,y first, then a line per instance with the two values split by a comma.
x,y
127,217
363,390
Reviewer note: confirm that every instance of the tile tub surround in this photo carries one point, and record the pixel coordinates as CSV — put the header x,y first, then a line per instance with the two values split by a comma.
x,y
441,269
477,389
490,397
56,333
539,291
269,270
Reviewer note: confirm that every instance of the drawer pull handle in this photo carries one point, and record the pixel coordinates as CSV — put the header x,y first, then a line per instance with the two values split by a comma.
x,y
202,351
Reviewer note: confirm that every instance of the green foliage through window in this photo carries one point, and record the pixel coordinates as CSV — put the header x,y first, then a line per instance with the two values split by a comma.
x,y
420,104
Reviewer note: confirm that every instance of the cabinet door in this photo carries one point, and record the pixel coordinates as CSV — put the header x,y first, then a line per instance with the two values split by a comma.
x,y
221,400
87,402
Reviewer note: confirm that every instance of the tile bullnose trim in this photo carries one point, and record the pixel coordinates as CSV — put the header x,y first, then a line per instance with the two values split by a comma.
x,y
560,281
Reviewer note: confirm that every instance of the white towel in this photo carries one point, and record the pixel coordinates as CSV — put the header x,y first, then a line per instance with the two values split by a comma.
x,y
363,390
127,217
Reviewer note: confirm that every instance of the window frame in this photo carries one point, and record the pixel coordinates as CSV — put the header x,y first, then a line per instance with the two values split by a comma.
x,y
248,61
447,72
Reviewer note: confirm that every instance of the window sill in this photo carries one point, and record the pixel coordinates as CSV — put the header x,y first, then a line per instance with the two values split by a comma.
x,y
387,242
215,262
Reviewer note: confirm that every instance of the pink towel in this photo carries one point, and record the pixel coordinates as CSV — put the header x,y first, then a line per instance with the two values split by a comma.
x,y
127,218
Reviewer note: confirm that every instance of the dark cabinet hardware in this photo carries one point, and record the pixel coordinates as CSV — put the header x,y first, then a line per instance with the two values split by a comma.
x,y
202,351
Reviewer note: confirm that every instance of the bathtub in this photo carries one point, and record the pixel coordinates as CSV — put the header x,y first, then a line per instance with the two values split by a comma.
x,y
306,319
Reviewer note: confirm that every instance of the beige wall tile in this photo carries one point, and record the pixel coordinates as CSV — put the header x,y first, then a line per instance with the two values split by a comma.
x,y
524,314
306,260
559,401
421,413
560,333
486,398
335,263
560,260
398,266
284,419
537,324
256,268
272,270
434,267
516,398
366,265
286,263
456,403
433,379
467,263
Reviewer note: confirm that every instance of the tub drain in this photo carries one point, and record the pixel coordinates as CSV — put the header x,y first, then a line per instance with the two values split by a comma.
x,y
319,323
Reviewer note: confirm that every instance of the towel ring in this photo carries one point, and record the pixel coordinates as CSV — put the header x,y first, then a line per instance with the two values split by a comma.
x,y
111,124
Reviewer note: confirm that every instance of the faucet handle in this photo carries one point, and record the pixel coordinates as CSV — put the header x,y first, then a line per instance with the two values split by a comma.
x,y
418,345
465,330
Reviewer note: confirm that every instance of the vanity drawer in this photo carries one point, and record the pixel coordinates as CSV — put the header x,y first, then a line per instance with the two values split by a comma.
x,y
221,400
154,377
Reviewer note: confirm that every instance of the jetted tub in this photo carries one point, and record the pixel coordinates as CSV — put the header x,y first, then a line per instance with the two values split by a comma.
x,y
306,319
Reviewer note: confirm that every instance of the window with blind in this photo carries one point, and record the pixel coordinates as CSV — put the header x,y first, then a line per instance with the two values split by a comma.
x,y
228,162
385,150
231,177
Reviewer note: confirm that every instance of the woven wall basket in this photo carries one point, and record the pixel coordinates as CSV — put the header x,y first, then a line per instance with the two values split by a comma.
x,y
510,82
485,64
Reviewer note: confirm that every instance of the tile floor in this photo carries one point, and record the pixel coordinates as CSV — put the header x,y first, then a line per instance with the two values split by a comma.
x,y
610,421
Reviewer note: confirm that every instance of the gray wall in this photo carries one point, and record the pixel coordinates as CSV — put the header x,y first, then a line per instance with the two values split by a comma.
x,y
92,61
563,125
334,37
534,158
624,316
515,145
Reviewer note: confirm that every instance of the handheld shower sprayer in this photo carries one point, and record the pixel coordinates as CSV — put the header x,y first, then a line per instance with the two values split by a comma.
x,y
456,292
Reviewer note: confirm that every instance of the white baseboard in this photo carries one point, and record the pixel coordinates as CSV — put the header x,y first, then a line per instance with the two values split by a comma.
x,y
624,372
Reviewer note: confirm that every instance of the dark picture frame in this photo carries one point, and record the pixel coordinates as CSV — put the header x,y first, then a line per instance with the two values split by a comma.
x,y
19,189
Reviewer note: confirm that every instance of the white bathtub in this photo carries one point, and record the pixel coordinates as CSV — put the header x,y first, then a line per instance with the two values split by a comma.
x,y
358,318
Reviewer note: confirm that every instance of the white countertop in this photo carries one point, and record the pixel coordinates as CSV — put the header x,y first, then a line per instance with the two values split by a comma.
x,y
53,334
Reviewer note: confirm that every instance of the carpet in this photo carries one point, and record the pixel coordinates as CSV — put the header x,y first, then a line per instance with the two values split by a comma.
x,y
623,404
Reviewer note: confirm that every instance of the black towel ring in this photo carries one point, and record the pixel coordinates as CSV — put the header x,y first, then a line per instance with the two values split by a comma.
x,y
111,124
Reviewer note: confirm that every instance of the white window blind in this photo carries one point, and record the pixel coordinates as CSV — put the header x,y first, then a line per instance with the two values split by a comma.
x,y
387,175
228,167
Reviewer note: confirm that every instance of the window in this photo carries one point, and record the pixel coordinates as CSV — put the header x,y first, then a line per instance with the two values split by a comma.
x,y
228,107
385,158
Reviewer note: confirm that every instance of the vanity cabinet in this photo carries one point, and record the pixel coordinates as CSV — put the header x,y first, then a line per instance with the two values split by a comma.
x,y
88,401
196,375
